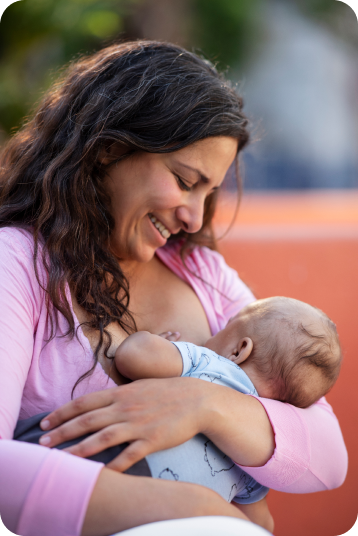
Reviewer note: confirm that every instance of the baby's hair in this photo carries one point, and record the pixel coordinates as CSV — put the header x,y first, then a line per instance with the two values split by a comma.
x,y
300,362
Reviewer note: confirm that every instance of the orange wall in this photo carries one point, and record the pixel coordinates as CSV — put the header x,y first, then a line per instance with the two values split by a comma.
x,y
306,246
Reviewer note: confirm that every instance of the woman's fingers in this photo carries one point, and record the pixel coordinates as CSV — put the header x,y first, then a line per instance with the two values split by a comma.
x,y
132,454
130,413
112,435
91,421
76,407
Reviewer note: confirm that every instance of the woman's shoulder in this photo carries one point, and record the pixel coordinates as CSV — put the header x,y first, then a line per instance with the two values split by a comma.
x,y
210,266
17,250
203,261
16,240
203,257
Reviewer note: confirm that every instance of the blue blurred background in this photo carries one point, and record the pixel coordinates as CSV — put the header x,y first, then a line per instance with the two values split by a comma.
x,y
294,62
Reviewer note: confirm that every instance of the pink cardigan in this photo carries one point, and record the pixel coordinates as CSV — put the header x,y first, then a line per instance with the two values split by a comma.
x,y
44,491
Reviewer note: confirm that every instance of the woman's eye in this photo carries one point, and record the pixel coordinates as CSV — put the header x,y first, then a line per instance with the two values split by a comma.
x,y
182,185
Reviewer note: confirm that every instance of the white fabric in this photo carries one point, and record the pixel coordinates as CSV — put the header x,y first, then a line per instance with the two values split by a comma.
x,y
198,526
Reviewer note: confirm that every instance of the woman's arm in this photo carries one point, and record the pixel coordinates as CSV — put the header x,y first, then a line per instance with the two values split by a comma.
x,y
109,503
310,453
44,491
41,491
136,413
120,502
238,424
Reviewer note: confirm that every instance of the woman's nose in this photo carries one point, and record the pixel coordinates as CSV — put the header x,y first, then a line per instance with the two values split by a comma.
x,y
191,215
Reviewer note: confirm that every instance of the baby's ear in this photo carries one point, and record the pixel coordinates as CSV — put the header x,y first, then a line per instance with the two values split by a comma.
x,y
243,350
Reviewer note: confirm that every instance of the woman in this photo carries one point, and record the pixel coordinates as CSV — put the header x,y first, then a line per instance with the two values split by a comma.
x,y
125,156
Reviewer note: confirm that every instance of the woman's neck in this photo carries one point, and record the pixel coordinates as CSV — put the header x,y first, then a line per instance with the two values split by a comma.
x,y
135,271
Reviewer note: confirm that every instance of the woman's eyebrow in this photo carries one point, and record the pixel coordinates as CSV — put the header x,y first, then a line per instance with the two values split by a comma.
x,y
204,179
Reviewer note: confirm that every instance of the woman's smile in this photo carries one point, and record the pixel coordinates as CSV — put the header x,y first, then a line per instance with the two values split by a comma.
x,y
160,227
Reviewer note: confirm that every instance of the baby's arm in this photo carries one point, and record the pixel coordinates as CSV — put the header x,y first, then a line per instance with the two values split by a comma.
x,y
144,355
258,513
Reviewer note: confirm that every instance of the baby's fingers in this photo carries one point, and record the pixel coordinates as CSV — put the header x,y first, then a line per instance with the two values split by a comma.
x,y
170,336
132,454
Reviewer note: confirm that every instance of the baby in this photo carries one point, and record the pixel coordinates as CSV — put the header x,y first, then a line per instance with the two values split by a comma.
x,y
278,348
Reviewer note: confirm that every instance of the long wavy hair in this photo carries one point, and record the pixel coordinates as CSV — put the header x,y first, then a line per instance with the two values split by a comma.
x,y
145,95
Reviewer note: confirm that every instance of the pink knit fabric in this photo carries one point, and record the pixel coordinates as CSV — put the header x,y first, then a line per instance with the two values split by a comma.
x,y
45,491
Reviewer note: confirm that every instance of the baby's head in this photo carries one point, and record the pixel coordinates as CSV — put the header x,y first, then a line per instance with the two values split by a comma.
x,y
289,349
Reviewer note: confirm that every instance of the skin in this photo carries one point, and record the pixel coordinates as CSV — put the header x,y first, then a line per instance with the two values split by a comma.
x,y
140,186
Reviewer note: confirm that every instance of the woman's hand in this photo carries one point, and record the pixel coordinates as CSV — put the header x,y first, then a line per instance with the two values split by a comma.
x,y
150,414
158,414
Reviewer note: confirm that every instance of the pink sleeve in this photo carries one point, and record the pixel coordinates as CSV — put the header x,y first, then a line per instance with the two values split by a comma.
x,y
42,491
310,453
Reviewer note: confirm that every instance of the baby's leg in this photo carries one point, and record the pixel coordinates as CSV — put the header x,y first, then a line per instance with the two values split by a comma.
x,y
258,513
144,355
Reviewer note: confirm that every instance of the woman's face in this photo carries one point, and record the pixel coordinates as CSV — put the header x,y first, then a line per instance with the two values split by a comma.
x,y
155,195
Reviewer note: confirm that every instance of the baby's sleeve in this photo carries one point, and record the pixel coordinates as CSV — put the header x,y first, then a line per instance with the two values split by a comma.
x,y
252,493
189,356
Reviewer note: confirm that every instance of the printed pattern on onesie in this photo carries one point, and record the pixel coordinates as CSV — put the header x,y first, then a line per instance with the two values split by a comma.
x,y
198,460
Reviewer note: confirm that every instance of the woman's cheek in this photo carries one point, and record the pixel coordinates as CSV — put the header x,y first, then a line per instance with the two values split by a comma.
x,y
169,196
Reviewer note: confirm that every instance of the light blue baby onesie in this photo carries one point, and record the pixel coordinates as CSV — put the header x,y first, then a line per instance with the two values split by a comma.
x,y
199,460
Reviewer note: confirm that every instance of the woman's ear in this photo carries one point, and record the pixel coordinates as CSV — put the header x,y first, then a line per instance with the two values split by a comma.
x,y
243,350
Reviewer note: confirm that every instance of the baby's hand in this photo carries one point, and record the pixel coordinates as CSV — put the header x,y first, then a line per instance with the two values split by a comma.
x,y
170,336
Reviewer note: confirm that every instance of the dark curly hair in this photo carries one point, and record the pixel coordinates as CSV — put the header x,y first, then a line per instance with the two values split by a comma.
x,y
146,95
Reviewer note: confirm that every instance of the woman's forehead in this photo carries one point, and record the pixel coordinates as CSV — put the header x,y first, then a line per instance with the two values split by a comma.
x,y
210,157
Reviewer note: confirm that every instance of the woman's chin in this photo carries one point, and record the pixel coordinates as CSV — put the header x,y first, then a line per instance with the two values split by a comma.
x,y
144,254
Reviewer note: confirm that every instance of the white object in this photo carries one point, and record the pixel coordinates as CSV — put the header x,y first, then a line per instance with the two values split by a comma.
x,y
198,526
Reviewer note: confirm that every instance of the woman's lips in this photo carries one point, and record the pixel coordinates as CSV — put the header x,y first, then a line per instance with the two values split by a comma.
x,y
158,225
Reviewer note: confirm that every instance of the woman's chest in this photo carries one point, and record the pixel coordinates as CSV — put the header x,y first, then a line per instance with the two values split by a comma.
x,y
164,302
159,302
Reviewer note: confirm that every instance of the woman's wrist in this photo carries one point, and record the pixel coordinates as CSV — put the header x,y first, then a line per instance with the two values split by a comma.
x,y
237,423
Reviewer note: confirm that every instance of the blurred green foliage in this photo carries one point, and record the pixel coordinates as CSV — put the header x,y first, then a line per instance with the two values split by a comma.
x,y
38,37
318,8
226,29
